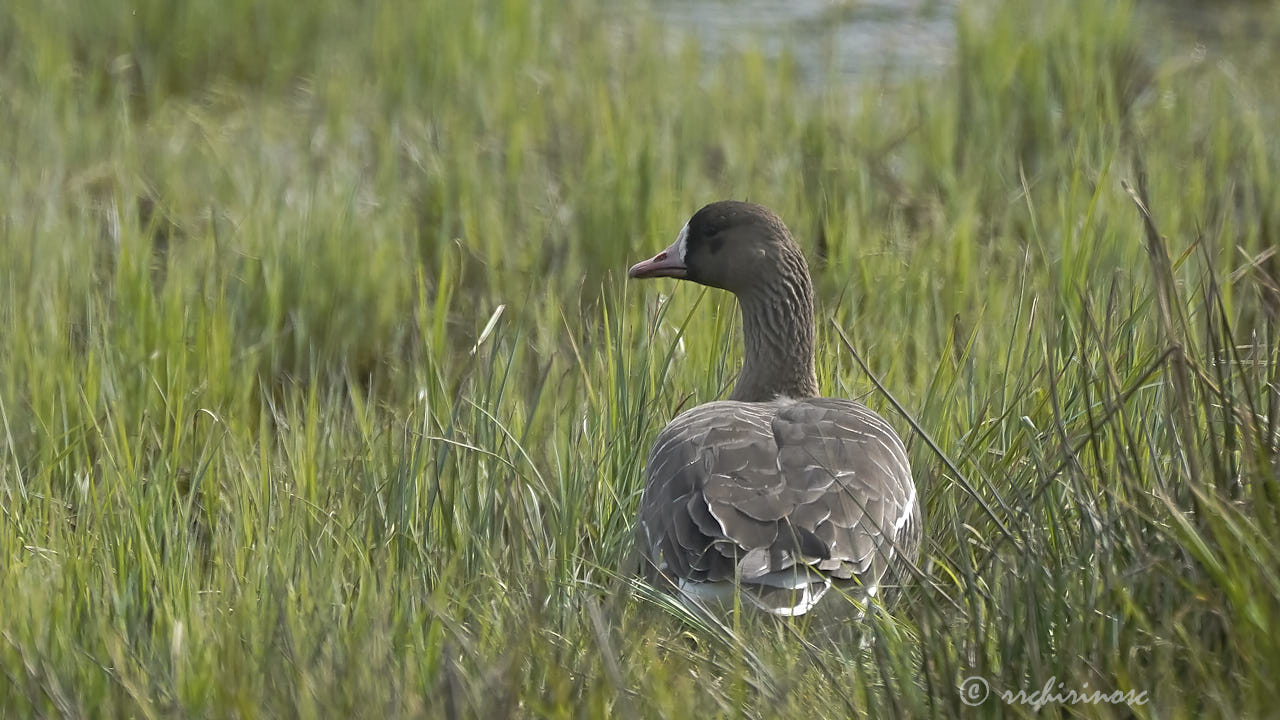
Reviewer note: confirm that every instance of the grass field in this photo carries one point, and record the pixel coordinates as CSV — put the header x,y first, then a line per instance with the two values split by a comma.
x,y
323,394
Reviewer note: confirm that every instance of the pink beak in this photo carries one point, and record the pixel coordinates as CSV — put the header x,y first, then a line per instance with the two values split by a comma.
x,y
668,263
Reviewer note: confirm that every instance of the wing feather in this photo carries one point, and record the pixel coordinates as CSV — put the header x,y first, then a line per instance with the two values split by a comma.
x,y
747,490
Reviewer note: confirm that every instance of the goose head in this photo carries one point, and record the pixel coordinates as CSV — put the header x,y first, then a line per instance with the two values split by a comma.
x,y
736,246
745,249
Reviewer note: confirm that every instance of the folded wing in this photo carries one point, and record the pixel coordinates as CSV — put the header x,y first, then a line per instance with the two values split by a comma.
x,y
782,499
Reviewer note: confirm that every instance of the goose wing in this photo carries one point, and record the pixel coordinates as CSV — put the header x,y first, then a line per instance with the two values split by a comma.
x,y
778,495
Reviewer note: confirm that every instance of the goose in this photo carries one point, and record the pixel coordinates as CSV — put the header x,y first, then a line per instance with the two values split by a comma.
x,y
775,496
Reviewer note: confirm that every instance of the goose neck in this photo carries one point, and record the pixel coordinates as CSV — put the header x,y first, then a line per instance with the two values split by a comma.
x,y
778,338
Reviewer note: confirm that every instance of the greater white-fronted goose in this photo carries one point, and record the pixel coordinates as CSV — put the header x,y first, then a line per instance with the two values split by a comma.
x,y
775,494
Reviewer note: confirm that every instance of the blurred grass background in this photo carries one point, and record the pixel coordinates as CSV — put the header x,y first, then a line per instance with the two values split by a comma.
x,y
322,392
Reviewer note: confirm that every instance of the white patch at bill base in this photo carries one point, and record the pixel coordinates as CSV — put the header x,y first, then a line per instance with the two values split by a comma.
x,y
682,243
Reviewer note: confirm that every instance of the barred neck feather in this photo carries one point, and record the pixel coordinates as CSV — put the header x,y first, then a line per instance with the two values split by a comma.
x,y
777,331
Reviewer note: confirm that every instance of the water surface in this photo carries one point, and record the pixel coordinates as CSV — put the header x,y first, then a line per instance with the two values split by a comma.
x,y
858,39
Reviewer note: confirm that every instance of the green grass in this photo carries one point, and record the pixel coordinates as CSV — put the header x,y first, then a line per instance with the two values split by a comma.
x,y
322,391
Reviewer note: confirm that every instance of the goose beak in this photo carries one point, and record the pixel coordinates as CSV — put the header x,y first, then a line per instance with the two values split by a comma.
x,y
668,263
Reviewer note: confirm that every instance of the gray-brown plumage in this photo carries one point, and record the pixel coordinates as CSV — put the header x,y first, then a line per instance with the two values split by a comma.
x,y
775,494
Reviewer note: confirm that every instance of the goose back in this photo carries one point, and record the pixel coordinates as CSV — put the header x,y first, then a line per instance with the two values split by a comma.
x,y
779,501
